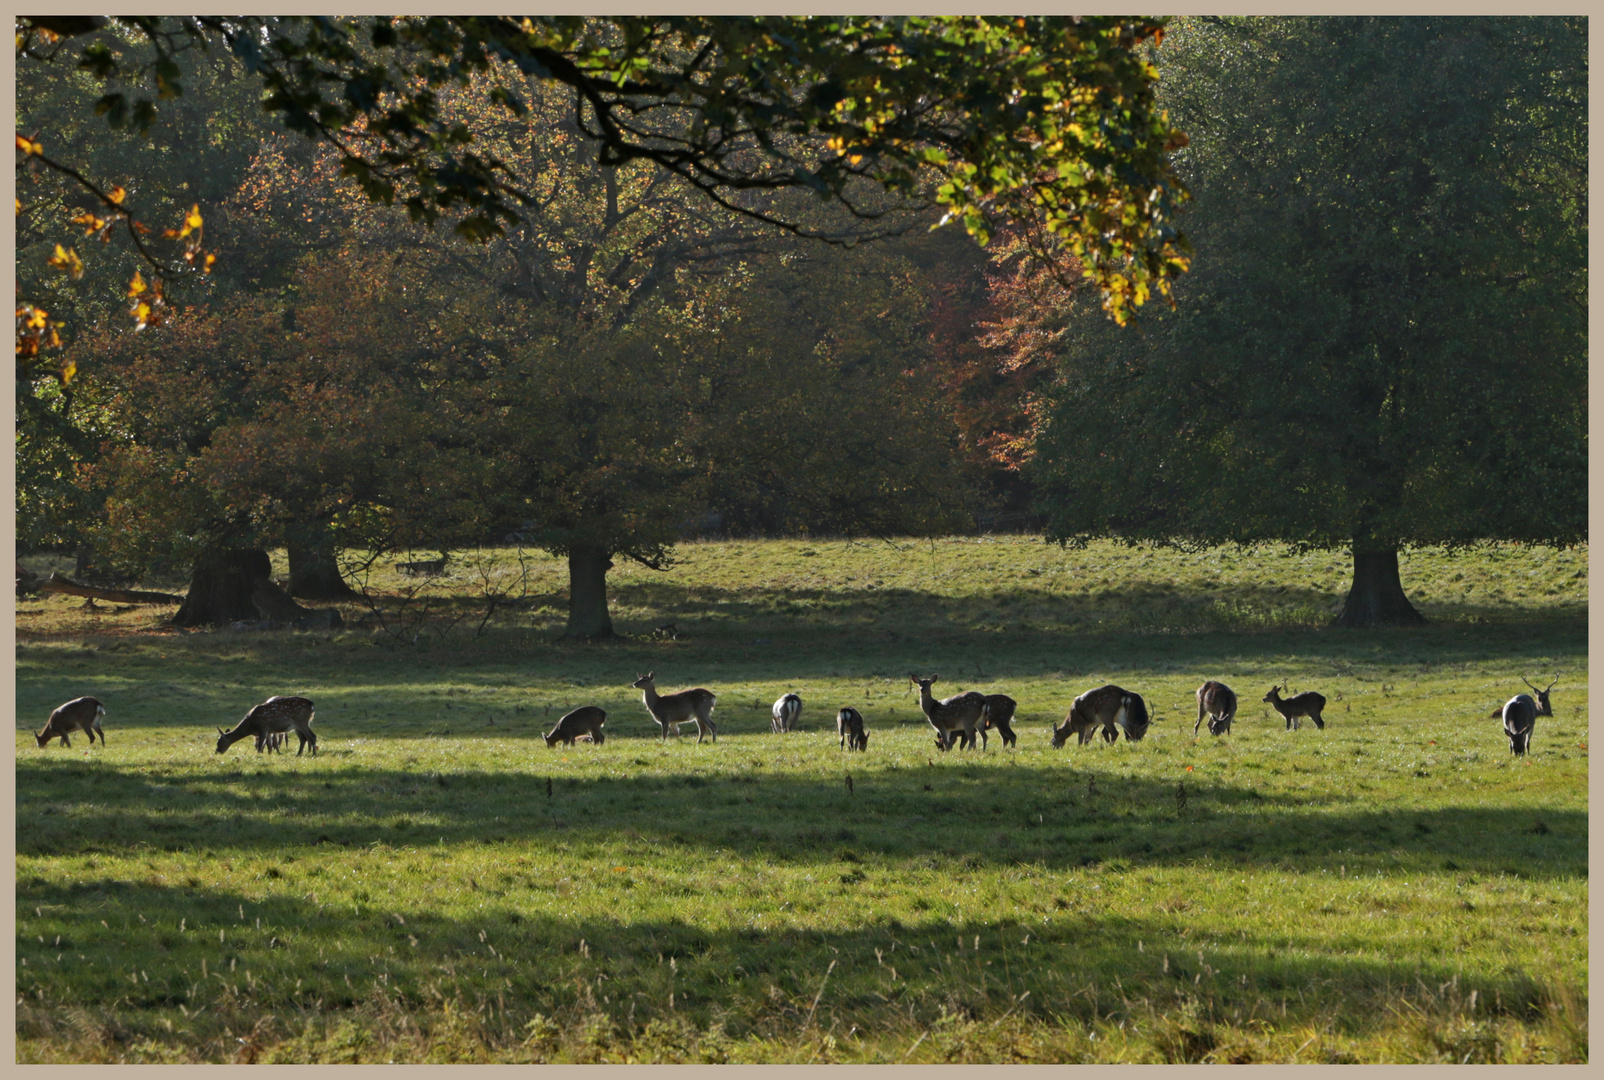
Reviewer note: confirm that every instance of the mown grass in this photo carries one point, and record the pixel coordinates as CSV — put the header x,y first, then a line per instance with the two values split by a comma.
x,y
439,885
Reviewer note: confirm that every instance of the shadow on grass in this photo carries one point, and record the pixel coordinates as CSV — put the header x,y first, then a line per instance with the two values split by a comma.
x,y
968,814
238,958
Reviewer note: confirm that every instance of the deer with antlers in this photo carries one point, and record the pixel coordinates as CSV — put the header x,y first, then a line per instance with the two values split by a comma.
x,y
1216,701
955,718
1520,715
1294,708
672,710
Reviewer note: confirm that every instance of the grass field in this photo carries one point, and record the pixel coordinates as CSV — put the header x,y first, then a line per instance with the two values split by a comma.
x,y
438,885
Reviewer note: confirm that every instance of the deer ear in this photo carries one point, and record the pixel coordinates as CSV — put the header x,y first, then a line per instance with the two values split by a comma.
x,y
220,731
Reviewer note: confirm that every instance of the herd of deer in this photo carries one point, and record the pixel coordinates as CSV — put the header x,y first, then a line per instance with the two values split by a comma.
x,y
957,720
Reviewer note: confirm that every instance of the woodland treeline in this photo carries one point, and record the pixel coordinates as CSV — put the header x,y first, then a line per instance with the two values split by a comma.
x,y
417,285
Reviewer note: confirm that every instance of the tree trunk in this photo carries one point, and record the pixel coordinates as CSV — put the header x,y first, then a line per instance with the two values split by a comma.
x,y
587,594
314,573
1376,597
221,585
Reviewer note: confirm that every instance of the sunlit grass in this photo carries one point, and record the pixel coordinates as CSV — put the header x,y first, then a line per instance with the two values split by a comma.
x,y
439,885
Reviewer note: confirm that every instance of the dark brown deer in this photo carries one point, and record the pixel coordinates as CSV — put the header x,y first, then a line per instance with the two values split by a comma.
x,y
1000,715
1110,707
79,714
276,714
953,718
849,725
584,722
786,710
1308,704
672,710
1542,703
1520,715
1216,701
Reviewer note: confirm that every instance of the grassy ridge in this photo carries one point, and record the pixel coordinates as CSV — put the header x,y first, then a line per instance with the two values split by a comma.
x,y
439,885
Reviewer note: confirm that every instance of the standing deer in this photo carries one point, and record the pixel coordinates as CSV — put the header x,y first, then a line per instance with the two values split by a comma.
x,y
1308,704
584,722
1218,702
276,714
1000,715
672,710
849,725
956,717
1543,706
1520,715
79,714
1111,707
270,742
786,710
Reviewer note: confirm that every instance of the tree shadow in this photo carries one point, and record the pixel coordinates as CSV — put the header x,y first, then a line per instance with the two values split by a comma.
x,y
1088,813
242,956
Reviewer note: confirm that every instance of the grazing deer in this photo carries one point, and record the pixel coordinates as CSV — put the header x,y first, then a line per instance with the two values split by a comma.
x,y
953,718
79,714
786,710
275,715
584,722
1218,702
849,725
1113,708
672,710
1000,715
1308,704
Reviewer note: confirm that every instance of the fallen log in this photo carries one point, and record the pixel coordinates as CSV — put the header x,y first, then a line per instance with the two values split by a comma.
x,y
55,583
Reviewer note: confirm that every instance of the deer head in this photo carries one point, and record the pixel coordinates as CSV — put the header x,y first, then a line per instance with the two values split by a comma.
x,y
1543,707
642,681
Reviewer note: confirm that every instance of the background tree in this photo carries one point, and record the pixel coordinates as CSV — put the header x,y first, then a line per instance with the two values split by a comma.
x,y
996,119
1384,339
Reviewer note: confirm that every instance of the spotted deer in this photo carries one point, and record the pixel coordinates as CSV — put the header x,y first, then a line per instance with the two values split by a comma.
x,y
786,710
584,722
849,726
672,710
955,718
1216,701
1297,706
1110,707
79,714
275,715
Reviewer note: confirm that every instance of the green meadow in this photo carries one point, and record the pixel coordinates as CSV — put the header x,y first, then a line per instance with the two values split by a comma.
x,y
439,885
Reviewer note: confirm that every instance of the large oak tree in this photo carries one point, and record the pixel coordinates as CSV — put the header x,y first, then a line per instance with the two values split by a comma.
x,y
1383,340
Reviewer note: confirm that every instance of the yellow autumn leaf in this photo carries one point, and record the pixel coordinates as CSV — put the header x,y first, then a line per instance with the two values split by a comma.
x,y
28,146
208,267
69,368
117,195
136,286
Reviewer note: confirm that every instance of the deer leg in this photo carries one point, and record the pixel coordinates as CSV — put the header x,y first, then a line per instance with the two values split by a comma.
x,y
1318,722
